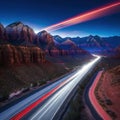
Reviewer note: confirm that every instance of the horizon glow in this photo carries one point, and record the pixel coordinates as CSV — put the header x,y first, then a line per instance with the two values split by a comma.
x,y
93,14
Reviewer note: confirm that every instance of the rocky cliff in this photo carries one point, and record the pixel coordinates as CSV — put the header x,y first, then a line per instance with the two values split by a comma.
x,y
45,40
18,33
10,54
3,37
1,32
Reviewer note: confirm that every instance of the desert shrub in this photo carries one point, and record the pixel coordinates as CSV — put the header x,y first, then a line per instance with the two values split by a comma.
x,y
108,102
112,114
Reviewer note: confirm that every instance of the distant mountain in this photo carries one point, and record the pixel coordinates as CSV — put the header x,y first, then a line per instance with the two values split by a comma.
x,y
58,39
114,41
96,44
71,48
68,44
103,41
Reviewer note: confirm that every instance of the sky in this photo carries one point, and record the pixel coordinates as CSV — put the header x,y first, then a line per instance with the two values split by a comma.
x,y
40,14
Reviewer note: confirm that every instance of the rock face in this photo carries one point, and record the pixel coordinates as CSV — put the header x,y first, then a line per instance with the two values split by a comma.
x,y
114,41
10,54
45,40
2,31
3,38
18,32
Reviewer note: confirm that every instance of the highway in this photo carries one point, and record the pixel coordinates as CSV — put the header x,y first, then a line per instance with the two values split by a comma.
x,y
51,97
93,111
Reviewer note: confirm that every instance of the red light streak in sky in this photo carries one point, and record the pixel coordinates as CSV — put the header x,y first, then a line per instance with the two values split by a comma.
x,y
100,12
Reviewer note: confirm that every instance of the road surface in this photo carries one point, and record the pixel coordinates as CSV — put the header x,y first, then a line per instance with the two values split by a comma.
x,y
94,113
54,96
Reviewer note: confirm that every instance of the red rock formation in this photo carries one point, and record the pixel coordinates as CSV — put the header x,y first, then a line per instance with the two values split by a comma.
x,y
18,32
53,52
45,40
10,55
1,32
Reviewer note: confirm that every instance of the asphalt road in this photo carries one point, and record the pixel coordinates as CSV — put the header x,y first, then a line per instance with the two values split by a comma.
x,y
87,100
54,96
11,111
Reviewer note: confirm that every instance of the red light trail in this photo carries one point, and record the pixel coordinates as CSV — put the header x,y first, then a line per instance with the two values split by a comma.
x,y
84,17
25,111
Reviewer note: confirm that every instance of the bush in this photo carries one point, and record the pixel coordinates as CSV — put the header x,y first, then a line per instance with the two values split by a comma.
x,y
109,102
112,114
3,98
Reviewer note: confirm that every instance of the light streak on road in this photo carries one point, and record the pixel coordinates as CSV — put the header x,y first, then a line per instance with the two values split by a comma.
x,y
13,110
48,110
93,14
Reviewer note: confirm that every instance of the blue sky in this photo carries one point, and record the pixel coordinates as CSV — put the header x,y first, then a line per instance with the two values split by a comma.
x,y
42,13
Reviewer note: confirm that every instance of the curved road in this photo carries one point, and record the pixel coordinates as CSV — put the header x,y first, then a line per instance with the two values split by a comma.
x,y
87,99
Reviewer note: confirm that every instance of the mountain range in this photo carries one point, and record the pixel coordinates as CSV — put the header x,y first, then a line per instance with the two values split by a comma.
x,y
19,38
94,44
19,41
